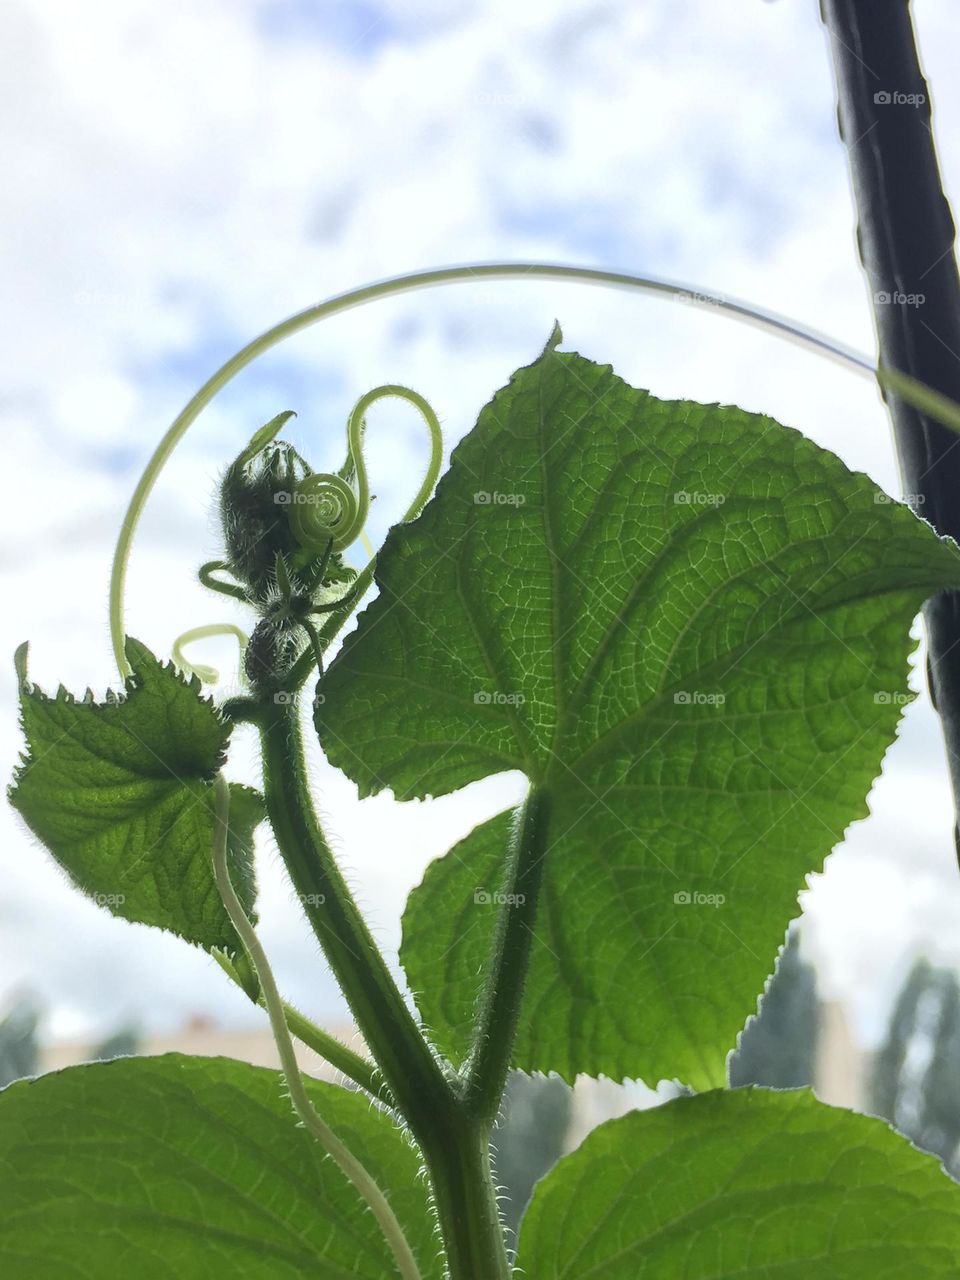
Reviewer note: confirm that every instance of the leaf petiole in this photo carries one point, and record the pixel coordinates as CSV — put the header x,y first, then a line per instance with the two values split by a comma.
x,y
498,1011
360,1070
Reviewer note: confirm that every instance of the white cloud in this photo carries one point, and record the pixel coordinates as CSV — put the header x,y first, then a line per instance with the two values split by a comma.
x,y
179,178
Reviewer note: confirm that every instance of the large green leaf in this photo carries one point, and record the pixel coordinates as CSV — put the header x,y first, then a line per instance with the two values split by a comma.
x,y
179,1168
691,625
747,1185
120,793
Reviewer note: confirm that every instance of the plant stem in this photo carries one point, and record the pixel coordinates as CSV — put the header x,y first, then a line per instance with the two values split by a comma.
x,y
466,1203
495,1027
306,664
312,1121
455,1147
414,1075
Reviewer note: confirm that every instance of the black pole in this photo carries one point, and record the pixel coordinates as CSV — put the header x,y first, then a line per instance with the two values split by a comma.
x,y
906,239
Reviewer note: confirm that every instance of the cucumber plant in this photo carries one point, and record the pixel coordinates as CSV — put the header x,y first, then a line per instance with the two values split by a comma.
x,y
688,626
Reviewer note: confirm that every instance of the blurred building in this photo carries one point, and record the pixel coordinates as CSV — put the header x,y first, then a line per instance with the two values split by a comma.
x,y
201,1036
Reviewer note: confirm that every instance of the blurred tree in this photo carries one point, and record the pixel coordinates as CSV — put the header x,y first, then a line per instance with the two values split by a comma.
x,y
20,1044
914,1078
122,1043
778,1047
19,1050
528,1140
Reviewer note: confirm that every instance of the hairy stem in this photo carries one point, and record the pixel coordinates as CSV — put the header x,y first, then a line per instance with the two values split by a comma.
x,y
495,1027
413,1074
306,663
466,1203
349,1165
454,1145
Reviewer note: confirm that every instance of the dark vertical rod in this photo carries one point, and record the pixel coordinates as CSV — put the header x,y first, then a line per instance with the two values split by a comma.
x,y
906,236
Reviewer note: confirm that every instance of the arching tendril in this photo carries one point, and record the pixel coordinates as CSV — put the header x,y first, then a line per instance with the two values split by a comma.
x,y
917,394
209,675
205,574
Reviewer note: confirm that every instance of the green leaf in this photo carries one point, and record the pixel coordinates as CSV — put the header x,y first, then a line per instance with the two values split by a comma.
x,y
691,625
446,940
177,1168
747,1185
120,793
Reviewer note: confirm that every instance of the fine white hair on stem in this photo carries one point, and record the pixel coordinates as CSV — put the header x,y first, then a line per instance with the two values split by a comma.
x,y
349,1165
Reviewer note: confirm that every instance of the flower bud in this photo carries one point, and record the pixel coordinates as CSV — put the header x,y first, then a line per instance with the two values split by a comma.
x,y
255,497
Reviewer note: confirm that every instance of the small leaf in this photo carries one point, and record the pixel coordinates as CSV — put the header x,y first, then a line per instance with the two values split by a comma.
x,y
120,793
178,1168
691,625
745,1185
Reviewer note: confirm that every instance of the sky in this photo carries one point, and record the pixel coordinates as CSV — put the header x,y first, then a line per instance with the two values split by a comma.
x,y
179,178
